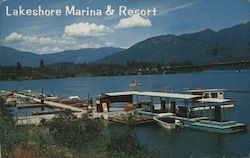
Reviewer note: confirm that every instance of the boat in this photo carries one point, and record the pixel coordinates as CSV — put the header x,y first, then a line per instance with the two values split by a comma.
x,y
202,109
165,121
132,84
74,98
75,101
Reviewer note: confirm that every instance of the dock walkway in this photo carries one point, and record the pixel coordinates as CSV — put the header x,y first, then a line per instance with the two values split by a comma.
x,y
54,104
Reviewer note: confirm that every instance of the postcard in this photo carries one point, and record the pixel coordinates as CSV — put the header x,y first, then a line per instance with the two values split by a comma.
x,y
124,78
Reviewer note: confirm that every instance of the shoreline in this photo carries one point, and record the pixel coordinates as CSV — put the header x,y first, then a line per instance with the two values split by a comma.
x,y
62,70
186,72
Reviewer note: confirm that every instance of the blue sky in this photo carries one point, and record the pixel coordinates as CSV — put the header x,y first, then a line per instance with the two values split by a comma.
x,y
42,34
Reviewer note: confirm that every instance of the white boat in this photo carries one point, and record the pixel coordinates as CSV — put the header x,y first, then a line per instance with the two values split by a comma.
x,y
74,98
165,121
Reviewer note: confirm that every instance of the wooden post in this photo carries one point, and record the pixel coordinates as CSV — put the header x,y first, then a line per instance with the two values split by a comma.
x,y
152,104
0,151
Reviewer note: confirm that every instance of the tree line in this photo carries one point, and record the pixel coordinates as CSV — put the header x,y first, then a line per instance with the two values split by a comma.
x,y
62,70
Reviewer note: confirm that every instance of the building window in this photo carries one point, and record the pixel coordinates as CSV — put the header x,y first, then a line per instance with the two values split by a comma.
x,y
214,95
206,95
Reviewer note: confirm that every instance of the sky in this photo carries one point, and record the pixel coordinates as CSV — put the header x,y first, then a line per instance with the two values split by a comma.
x,y
49,34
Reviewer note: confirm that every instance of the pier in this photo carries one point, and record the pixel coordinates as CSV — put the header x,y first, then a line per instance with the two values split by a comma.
x,y
26,106
54,104
37,117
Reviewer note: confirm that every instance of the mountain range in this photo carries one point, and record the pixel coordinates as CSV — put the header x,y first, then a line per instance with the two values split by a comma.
x,y
10,56
204,47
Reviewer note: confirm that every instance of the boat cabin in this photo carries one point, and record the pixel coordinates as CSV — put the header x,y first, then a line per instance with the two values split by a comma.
x,y
208,93
73,98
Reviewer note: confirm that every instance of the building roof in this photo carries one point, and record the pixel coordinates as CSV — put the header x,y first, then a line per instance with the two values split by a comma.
x,y
121,93
169,95
155,94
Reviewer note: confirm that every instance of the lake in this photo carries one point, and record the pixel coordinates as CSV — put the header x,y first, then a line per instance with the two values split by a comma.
x,y
182,143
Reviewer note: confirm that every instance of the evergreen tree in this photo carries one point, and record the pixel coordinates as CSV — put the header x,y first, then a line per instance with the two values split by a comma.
x,y
41,63
19,69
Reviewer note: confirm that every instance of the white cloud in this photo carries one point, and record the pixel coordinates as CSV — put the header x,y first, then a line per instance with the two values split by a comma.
x,y
51,49
133,21
85,30
14,37
51,44
75,36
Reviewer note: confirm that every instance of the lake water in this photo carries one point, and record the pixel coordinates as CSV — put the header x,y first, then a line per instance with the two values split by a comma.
x,y
183,143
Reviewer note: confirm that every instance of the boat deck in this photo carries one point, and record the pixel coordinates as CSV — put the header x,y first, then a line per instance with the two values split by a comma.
x,y
219,127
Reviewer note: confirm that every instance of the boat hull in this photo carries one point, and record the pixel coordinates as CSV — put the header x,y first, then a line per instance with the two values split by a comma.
x,y
212,126
165,123
217,127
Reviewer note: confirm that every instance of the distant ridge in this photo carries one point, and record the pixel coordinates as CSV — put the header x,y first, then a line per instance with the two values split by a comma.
x,y
10,56
202,47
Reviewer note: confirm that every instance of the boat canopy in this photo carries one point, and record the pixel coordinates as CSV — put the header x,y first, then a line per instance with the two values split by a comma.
x,y
155,94
204,90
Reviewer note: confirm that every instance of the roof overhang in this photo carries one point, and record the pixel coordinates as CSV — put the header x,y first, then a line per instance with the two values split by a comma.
x,y
204,90
155,94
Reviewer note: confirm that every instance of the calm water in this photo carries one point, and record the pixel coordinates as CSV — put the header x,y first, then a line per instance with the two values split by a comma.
x,y
183,143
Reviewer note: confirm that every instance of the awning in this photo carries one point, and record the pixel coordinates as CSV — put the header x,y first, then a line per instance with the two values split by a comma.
x,y
155,94
204,90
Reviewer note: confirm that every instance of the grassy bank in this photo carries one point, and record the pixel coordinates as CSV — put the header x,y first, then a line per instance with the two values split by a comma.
x,y
67,136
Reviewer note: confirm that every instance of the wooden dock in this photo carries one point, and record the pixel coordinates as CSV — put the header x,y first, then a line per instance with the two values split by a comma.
x,y
36,120
55,104
133,119
30,105
56,111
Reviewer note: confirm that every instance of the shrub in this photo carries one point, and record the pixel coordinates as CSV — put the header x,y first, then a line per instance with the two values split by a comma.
x,y
74,132
126,145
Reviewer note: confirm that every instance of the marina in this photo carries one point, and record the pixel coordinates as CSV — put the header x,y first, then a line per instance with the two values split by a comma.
x,y
152,134
125,79
175,109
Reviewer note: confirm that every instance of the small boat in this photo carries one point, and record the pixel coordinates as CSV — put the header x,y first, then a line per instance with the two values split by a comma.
x,y
165,121
132,84
75,100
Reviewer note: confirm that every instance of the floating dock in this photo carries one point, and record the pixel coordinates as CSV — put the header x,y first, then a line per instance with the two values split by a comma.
x,y
130,119
28,105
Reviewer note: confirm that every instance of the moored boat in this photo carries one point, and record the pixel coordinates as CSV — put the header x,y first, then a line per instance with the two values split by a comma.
x,y
165,121
203,109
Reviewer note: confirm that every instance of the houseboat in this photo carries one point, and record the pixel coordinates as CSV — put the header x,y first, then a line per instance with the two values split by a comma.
x,y
203,109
